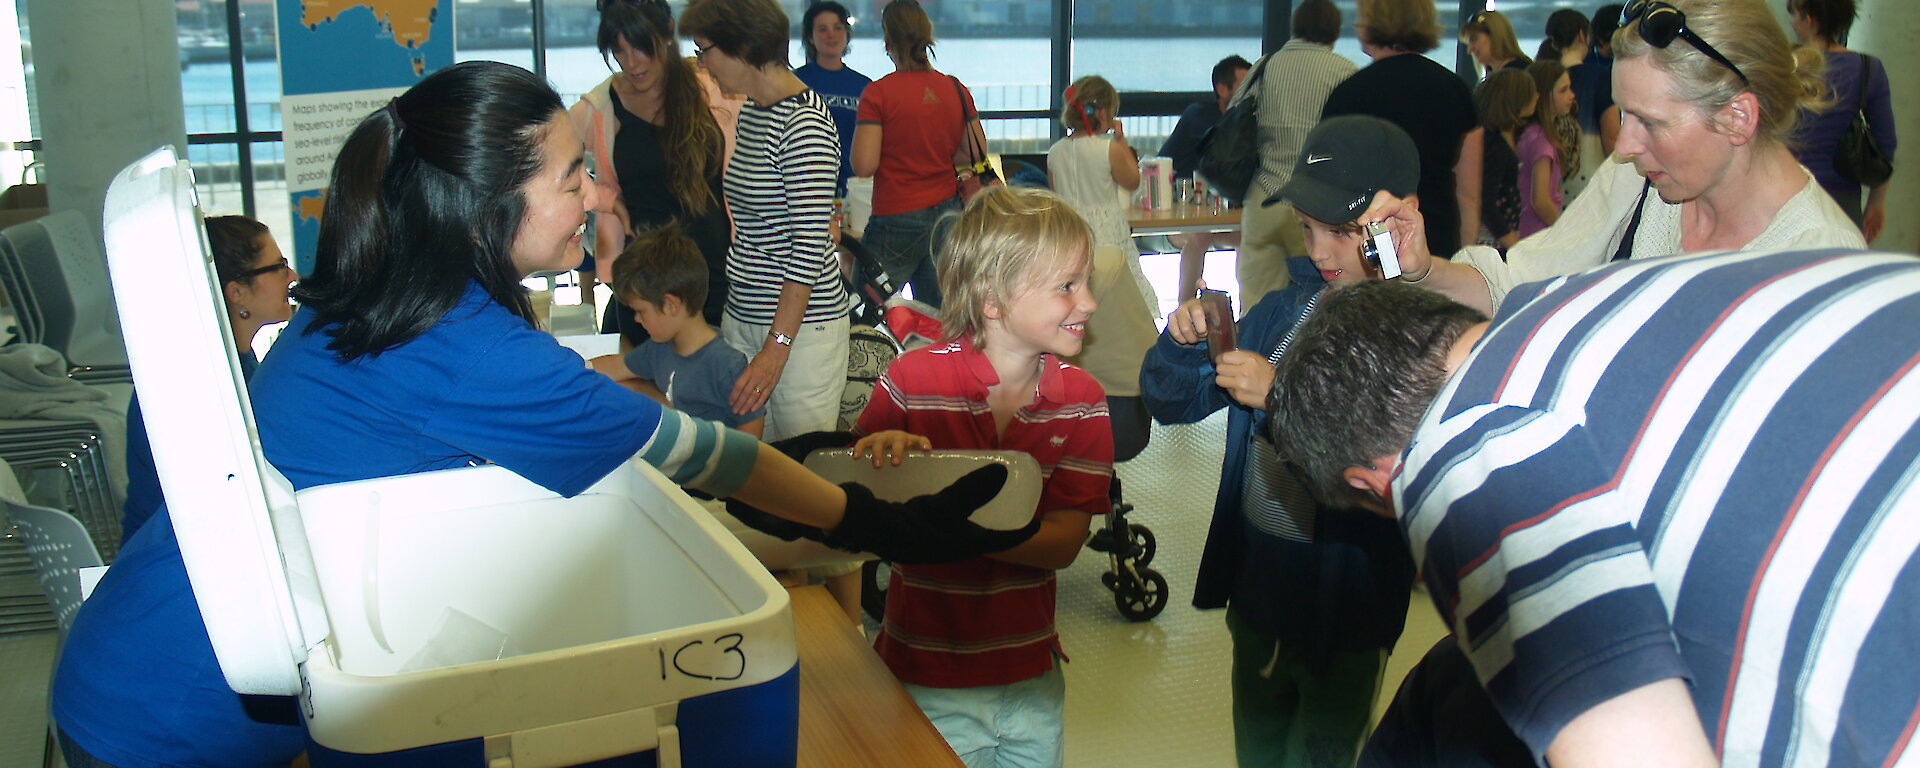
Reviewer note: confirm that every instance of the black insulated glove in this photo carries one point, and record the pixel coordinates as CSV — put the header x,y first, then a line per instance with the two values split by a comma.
x,y
796,448
927,529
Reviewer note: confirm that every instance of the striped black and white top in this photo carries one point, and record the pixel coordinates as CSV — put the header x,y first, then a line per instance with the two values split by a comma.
x,y
1704,468
780,189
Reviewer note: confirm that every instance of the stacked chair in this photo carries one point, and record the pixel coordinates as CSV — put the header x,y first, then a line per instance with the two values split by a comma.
x,y
64,464
54,276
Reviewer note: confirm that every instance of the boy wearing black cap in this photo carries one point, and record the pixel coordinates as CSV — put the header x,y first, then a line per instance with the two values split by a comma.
x,y
1315,596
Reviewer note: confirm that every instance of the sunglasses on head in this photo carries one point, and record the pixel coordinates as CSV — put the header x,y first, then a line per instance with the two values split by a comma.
x,y
1660,23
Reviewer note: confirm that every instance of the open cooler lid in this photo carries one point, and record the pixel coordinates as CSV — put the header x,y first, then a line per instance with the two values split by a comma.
x,y
233,514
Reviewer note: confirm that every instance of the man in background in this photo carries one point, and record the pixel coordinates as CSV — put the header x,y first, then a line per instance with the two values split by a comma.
x,y
1183,147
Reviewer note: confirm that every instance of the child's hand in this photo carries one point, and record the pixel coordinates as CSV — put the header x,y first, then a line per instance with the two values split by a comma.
x,y
1409,230
1245,376
891,444
1188,323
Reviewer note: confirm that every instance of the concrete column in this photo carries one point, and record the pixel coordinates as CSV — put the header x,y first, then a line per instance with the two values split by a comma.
x,y
107,74
1886,30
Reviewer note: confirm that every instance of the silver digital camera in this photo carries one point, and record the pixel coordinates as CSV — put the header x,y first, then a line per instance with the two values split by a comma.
x,y
1379,250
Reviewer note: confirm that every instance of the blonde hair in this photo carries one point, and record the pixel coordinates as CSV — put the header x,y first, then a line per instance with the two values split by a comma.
x,y
1084,99
1784,78
907,30
1005,240
1502,42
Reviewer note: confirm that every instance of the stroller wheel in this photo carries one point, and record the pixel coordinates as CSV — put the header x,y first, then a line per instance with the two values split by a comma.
x,y
1142,538
1143,601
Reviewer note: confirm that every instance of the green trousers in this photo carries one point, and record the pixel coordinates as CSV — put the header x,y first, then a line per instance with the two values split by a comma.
x,y
1287,715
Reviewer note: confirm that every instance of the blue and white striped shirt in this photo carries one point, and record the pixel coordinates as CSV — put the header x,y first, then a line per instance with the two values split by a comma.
x,y
1694,467
779,187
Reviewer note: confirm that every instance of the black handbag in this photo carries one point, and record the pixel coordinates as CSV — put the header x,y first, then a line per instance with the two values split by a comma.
x,y
1858,157
1230,150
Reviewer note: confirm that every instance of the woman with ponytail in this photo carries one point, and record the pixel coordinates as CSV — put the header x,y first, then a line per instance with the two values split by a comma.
x,y
1857,87
1093,169
913,124
655,106
1566,40
415,350
1709,91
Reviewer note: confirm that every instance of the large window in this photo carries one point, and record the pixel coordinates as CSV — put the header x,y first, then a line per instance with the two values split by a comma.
x,y
1006,51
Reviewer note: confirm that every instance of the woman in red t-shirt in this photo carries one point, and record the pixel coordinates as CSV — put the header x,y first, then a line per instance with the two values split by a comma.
x,y
911,125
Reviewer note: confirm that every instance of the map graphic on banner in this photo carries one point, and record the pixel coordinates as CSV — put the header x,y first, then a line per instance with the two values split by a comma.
x,y
340,60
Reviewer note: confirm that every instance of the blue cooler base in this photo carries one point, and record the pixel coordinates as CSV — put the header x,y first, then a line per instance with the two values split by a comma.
x,y
753,727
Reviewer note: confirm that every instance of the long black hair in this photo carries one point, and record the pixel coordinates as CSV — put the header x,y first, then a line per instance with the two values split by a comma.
x,y
427,197
688,133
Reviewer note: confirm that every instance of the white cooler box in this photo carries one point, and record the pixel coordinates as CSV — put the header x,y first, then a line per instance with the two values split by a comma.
x,y
463,617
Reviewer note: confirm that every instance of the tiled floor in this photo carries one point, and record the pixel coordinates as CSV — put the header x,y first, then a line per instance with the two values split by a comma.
x,y
1138,694
1156,693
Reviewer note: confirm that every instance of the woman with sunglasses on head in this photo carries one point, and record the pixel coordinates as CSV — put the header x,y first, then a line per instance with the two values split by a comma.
x,y
655,106
913,124
415,351
786,304
1857,87
1708,91
1490,39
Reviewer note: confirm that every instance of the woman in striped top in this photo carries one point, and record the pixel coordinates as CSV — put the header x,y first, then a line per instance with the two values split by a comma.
x,y
786,307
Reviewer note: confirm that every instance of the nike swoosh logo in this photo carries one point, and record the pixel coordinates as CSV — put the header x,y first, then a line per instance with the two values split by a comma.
x,y
1311,159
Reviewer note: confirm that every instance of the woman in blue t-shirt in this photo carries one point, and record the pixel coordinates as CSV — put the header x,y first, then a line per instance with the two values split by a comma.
x,y
824,30
415,350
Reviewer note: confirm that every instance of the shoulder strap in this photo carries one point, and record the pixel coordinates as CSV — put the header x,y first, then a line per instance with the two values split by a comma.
x,y
975,153
1252,81
1866,74
1625,251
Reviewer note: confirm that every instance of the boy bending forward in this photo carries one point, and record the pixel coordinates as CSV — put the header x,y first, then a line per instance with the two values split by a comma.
x,y
662,278
974,641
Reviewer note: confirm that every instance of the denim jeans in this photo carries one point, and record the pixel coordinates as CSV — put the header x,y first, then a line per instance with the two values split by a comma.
x,y
1019,725
907,243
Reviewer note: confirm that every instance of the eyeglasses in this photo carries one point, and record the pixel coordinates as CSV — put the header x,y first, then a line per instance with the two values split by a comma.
x,y
1660,23
257,271
699,52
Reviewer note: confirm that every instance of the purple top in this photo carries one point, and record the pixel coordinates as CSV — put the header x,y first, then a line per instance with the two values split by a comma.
x,y
1820,134
1533,146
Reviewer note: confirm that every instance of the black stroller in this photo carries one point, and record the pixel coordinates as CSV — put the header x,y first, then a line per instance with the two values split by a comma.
x,y
1139,592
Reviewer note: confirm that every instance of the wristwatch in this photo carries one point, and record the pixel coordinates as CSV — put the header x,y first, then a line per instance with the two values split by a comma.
x,y
781,338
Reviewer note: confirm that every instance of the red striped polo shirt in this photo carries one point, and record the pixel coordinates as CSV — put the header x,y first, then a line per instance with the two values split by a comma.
x,y
983,621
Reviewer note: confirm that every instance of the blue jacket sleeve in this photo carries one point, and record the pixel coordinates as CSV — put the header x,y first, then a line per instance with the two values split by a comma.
x,y
1176,380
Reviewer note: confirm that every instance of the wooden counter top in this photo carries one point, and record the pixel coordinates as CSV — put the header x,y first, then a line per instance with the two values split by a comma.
x,y
852,711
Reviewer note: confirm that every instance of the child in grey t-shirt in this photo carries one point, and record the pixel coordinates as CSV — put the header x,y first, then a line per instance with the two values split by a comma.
x,y
662,277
